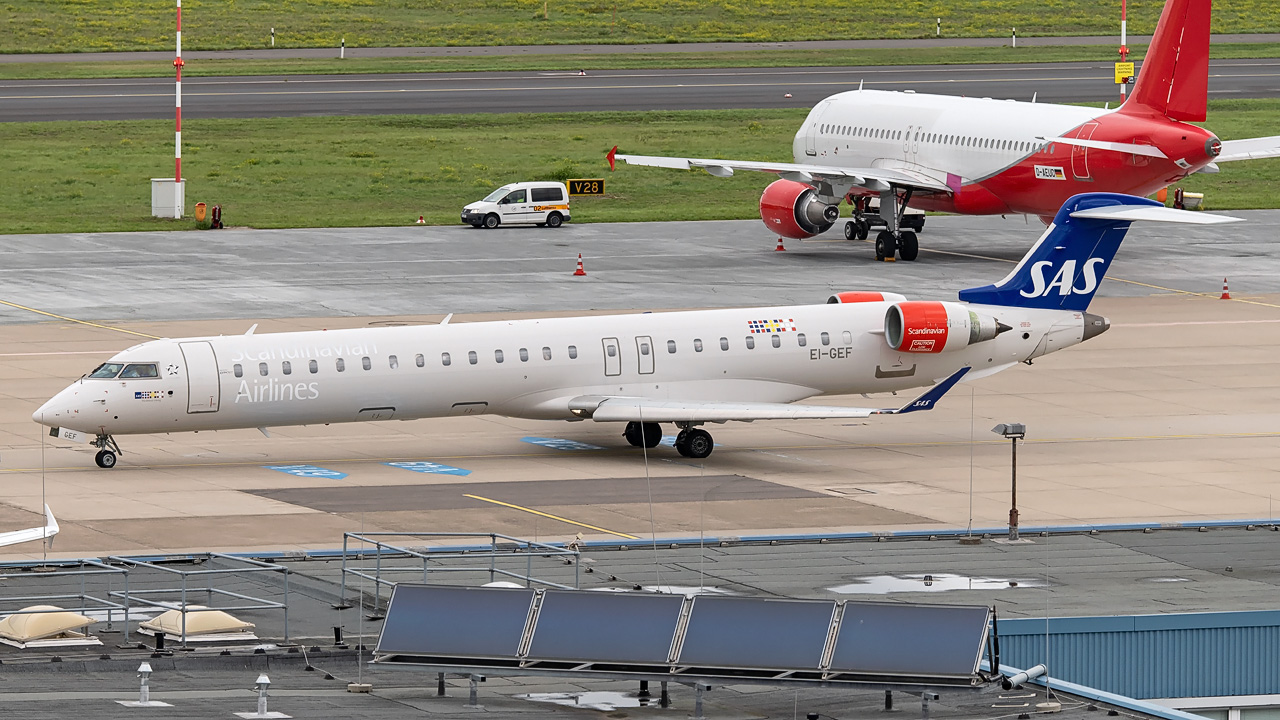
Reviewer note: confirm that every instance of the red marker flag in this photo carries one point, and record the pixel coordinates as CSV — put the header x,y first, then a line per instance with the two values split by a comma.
x,y
609,157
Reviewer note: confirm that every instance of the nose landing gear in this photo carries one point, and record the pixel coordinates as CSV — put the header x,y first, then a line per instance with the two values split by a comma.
x,y
107,451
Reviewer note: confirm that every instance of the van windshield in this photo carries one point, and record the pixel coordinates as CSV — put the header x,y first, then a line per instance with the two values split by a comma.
x,y
496,195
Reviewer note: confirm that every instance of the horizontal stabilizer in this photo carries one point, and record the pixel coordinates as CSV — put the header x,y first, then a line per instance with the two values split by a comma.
x,y
1153,214
1249,149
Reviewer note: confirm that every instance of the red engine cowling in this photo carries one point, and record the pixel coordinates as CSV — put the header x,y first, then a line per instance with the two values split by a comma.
x,y
934,327
793,210
862,296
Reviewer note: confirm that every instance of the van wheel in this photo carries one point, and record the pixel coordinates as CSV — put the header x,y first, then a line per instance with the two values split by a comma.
x,y
491,221
554,220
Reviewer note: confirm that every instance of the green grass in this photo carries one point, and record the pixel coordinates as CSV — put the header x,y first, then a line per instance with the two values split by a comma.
x,y
371,171
87,25
553,62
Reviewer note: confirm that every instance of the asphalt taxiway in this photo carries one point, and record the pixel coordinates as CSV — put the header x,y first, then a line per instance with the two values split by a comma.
x,y
567,91
1168,417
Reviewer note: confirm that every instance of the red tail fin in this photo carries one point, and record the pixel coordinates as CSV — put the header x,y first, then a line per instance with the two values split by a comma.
x,y
1174,79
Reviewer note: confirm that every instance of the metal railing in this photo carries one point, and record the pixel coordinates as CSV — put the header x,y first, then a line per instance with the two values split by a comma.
x,y
86,571
423,561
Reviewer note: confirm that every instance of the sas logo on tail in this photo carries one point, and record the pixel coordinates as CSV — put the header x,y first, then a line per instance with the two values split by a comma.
x,y
1064,279
1049,172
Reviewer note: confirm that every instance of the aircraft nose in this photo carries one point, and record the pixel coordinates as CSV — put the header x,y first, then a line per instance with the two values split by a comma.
x,y
1095,325
55,410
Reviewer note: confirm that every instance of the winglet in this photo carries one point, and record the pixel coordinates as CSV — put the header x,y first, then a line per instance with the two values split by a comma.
x,y
929,397
612,154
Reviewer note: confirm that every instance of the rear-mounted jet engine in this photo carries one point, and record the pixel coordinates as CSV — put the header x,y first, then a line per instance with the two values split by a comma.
x,y
934,327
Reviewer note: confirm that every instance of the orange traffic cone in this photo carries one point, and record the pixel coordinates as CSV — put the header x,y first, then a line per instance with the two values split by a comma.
x,y
1226,294
421,221
780,248
579,271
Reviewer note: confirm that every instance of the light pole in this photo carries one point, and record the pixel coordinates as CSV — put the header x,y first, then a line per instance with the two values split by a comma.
x,y
1015,432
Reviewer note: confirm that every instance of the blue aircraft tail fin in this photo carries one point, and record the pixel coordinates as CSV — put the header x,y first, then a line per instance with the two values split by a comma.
x,y
1063,269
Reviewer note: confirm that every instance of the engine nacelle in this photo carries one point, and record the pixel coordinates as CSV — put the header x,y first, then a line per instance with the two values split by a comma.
x,y
793,210
934,327
861,296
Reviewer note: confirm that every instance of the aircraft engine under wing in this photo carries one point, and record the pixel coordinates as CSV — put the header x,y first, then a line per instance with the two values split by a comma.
x,y
876,179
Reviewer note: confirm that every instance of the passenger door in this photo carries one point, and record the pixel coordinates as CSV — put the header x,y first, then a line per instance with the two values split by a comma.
x,y
612,357
644,354
515,208
1080,155
203,384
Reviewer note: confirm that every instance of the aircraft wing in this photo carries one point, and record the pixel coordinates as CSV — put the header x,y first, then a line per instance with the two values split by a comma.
x,y
1250,149
632,409
38,533
871,178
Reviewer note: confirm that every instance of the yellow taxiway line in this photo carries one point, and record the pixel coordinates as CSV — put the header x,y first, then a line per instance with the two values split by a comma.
x,y
79,322
549,515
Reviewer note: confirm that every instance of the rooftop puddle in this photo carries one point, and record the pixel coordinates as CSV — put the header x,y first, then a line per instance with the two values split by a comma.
x,y
941,582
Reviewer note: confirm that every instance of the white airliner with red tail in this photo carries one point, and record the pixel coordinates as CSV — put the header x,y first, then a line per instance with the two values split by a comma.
x,y
979,156
643,369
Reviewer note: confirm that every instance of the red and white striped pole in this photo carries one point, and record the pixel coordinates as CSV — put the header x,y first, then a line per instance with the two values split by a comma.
x,y
177,134
1124,43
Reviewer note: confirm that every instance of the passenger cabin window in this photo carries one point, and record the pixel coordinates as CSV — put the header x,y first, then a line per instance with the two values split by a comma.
x,y
524,354
286,367
724,343
546,195
777,341
612,350
497,356
445,359
365,362
514,197
472,357
802,340
644,348
419,360
393,362
110,370
671,346
697,345
751,342
141,370
236,369
573,352
341,365
262,369
314,367
826,339
546,353
848,337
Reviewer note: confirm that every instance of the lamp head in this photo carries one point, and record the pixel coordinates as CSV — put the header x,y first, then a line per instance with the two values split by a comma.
x,y
1016,431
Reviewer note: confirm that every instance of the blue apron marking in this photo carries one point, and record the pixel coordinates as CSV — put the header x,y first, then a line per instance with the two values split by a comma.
x,y
423,466
560,443
311,471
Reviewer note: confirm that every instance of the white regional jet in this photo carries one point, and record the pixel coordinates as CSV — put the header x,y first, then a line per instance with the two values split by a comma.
x,y
979,156
686,368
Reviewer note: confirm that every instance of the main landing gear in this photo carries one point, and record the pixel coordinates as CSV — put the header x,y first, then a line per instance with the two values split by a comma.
x,y
896,238
691,442
107,451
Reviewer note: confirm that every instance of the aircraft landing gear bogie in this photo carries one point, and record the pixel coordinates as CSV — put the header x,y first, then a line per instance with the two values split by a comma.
x,y
694,443
646,434
107,451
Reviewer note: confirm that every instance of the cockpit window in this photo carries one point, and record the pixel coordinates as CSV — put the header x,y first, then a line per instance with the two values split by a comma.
x,y
106,370
140,370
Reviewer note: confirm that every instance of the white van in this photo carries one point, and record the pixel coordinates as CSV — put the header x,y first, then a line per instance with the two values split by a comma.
x,y
537,203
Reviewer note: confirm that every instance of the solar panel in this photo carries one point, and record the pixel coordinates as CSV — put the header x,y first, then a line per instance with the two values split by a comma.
x,y
605,627
441,620
893,638
756,633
